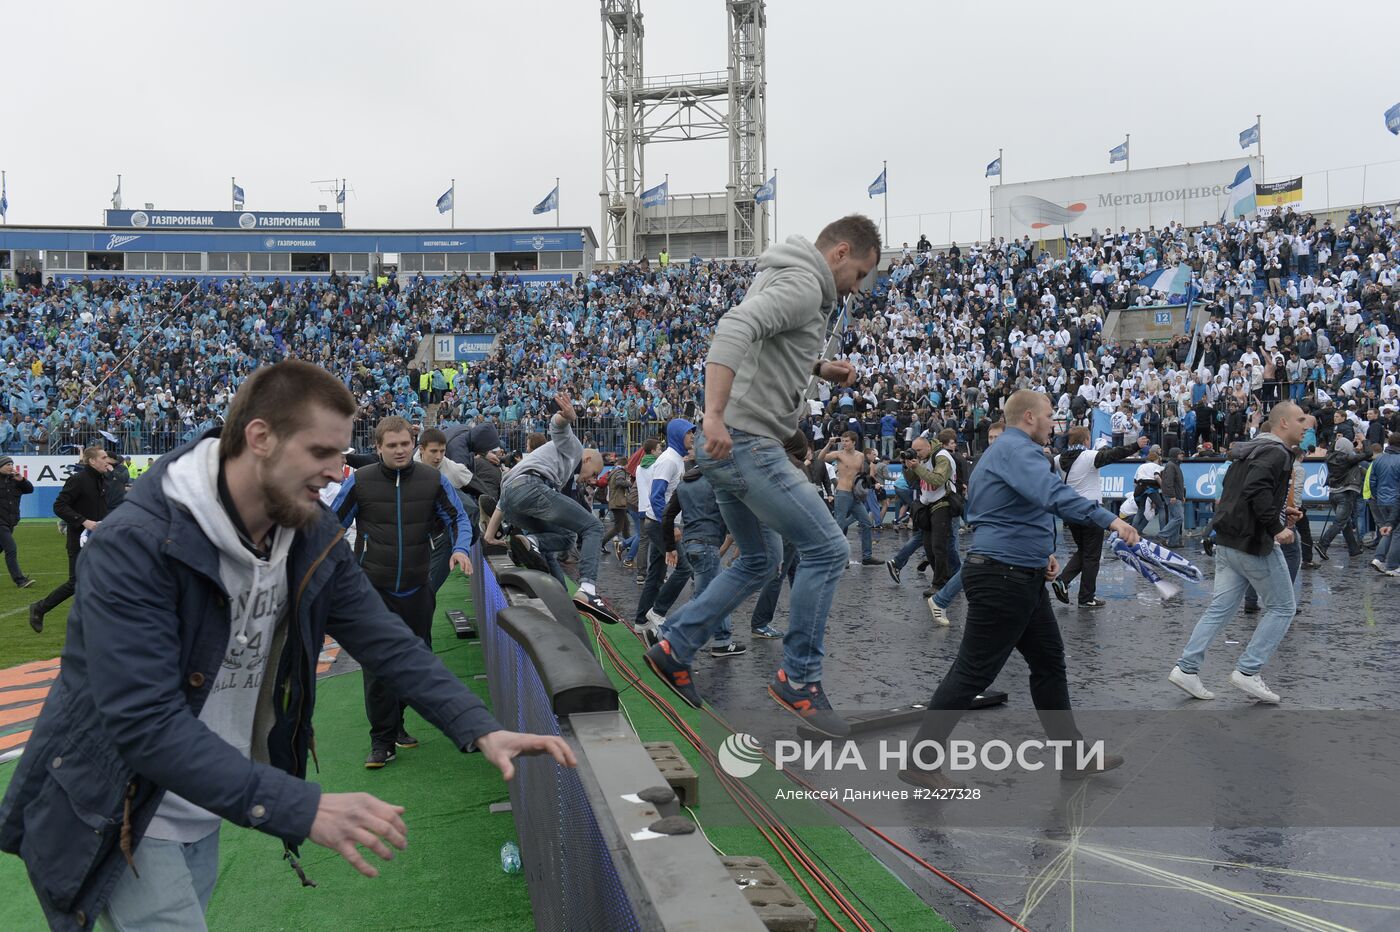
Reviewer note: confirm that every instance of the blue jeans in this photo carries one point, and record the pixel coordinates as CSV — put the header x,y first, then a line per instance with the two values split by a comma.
x,y
1387,551
1176,522
758,486
704,563
172,891
555,521
954,560
911,546
849,509
635,541
1235,571
950,591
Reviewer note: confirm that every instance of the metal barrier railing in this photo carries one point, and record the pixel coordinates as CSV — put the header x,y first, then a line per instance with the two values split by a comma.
x,y
590,852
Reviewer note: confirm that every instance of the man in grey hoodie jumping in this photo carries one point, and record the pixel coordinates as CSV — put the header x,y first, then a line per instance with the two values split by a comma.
x,y
762,358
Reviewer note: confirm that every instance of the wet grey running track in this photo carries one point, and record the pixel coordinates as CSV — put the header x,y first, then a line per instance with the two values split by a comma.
x,y
1342,652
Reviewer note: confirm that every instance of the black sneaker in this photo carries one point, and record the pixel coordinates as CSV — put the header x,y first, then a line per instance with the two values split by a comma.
x,y
378,757
525,554
1093,603
1250,609
24,582
893,568
923,566
405,740
729,650
1321,549
1061,590
651,635
595,606
36,617
870,561
1208,546
809,704
674,674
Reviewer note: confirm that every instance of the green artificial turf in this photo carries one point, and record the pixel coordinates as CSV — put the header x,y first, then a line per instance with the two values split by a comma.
x,y
43,556
449,878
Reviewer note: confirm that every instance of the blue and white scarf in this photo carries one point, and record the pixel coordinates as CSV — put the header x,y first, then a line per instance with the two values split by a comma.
x,y
1155,563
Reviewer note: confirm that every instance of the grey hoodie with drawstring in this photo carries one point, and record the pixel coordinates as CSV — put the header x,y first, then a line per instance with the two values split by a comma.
x,y
773,337
257,590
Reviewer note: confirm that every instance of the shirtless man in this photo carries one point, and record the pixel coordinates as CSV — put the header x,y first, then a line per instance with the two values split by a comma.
x,y
852,466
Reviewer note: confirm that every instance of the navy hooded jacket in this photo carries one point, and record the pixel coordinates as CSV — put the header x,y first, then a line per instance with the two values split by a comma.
x,y
146,638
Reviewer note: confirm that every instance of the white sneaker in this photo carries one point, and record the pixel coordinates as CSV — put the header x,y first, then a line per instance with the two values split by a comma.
x,y
1394,572
1253,685
1380,567
655,619
939,614
1190,682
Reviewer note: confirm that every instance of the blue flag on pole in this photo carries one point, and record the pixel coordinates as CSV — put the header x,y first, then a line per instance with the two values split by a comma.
x,y
1241,195
1101,429
550,202
768,192
993,168
1392,119
656,197
237,196
877,186
340,195
1118,153
444,203
1250,137
4,200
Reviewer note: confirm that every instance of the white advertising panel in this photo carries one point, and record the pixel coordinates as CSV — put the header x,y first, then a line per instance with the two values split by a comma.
x,y
1192,194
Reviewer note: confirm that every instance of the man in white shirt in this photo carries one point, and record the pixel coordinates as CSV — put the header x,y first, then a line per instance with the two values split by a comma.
x,y
1147,484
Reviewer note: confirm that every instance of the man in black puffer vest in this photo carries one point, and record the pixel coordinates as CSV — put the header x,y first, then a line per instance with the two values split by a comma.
x,y
393,503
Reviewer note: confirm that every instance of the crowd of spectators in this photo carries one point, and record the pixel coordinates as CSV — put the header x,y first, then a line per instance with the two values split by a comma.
x,y
1295,308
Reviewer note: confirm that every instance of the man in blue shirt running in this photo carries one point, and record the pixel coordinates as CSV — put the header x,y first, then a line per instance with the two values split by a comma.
x,y
1013,500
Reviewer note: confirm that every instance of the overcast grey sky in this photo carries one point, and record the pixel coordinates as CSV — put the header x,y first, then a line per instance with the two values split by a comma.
x,y
399,98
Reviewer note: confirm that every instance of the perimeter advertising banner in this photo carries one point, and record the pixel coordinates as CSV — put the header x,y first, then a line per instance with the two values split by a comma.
x,y
224,220
48,473
1191,194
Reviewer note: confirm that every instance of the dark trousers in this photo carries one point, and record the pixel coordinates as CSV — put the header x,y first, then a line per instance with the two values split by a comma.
x,y
382,706
1007,609
1343,521
7,544
768,596
1305,539
661,590
936,542
621,527
64,592
1088,543
441,563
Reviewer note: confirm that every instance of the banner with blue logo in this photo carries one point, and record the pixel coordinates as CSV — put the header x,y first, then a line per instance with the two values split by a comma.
x,y
1205,480
224,220
462,347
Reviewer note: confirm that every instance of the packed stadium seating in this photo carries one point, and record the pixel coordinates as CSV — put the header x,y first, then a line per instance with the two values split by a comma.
x,y
1299,308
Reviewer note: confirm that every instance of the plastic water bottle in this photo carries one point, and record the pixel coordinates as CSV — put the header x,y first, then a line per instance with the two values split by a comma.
x,y
510,858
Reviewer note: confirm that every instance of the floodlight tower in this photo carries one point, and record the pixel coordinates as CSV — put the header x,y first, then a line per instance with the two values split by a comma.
x,y
637,110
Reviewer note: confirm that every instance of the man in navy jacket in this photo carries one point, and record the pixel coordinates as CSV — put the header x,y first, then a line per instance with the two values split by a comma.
x,y
147,740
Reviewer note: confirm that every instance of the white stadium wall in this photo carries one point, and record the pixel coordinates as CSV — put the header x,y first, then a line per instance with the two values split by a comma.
x,y
1191,194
